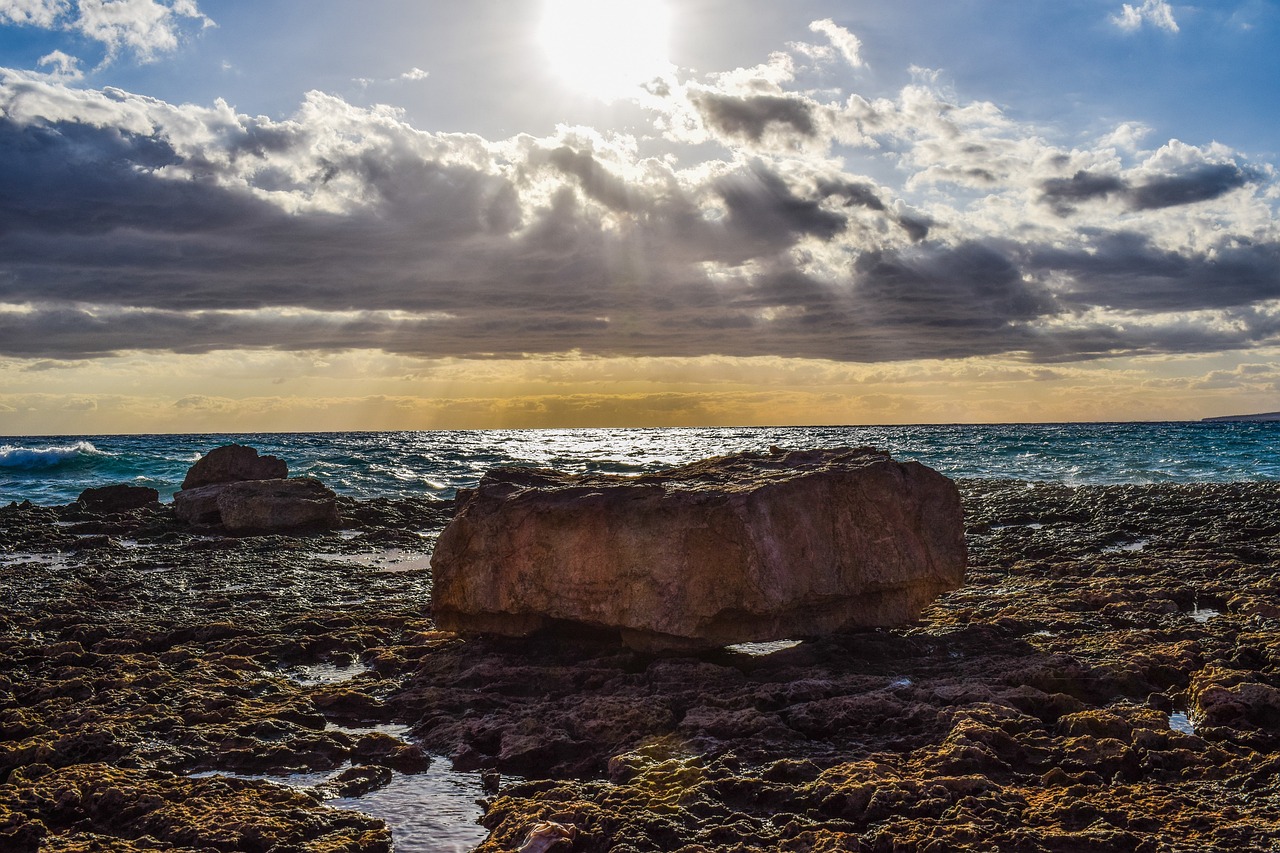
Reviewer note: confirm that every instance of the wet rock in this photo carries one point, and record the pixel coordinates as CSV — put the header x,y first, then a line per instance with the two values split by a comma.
x,y
162,811
260,506
354,782
748,547
198,505
547,836
233,463
387,751
1237,700
278,505
118,498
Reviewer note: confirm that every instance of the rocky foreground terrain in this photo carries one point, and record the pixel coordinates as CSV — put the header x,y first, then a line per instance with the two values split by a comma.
x,y
1107,679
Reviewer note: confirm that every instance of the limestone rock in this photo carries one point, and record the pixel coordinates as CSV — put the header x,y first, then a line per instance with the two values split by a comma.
x,y
260,506
232,463
198,505
739,548
118,498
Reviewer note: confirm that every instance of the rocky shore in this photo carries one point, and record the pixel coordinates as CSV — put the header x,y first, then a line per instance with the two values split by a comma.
x,y
1107,679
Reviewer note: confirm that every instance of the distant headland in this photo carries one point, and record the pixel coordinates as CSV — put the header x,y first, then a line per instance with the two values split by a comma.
x,y
1264,416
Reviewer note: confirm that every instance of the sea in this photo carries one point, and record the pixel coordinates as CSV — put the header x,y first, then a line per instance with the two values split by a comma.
x,y
53,470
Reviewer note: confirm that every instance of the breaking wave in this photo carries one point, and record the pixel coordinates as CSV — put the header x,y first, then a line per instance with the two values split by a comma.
x,y
17,458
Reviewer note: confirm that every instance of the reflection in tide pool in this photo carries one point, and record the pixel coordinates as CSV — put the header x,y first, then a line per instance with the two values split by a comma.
x,y
1204,614
431,812
760,649
1180,722
436,811
385,560
316,674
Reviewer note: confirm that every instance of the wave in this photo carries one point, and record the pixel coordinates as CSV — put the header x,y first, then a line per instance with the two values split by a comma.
x,y
13,457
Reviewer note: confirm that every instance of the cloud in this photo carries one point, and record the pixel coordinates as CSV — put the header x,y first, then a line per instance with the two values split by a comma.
x,y
751,116
128,224
64,68
1201,182
36,13
144,27
413,75
1155,13
849,46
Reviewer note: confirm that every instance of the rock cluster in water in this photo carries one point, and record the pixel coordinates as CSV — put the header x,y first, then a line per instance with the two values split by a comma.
x,y
747,547
232,486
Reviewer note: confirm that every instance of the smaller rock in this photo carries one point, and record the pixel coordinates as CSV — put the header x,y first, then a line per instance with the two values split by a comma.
x,y
198,505
549,835
233,463
118,498
269,506
260,506
353,782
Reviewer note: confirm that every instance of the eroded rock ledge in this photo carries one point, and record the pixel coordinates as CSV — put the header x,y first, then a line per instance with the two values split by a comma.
x,y
739,548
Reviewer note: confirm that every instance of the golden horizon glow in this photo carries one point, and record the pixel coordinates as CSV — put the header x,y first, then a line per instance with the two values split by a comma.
x,y
606,48
266,391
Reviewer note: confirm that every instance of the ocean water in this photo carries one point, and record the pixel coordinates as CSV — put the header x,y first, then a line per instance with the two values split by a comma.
x,y
54,470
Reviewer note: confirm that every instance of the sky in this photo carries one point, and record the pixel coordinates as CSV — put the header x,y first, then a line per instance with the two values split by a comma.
x,y
408,214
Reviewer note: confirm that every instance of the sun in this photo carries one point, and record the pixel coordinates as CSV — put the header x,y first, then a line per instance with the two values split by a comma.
x,y
606,48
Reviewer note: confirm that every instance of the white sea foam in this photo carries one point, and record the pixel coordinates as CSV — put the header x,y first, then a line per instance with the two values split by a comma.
x,y
27,458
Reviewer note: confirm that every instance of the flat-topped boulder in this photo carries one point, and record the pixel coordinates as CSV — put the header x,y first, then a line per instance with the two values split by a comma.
x,y
233,463
740,548
260,506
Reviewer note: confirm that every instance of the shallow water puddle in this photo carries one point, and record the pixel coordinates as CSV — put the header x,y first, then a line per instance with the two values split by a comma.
x,y
431,812
1127,547
761,649
387,560
396,730
316,674
23,558
1203,614
435,811
1180,722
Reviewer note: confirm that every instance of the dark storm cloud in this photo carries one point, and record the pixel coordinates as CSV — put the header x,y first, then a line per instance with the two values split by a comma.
x,y
157,229
1125,271
765,207
596,180
857,194
750,116
1202,183
1063,193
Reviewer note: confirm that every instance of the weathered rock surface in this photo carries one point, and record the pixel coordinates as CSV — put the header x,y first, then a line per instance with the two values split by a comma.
x,y
233,463
260,506
118,498
1105,680
198,505
746,547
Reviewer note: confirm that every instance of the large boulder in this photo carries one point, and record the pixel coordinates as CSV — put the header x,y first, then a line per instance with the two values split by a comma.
x,y
260,506
233,463
747,547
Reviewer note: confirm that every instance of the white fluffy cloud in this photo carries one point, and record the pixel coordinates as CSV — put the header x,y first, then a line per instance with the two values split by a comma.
x,y
143,27
36,13
848,45
1154,13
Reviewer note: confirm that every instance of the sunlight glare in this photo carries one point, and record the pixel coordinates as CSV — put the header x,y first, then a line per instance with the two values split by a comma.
x,y
606,48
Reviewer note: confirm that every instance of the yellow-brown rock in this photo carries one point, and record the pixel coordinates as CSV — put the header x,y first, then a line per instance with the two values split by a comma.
x,y
746,547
